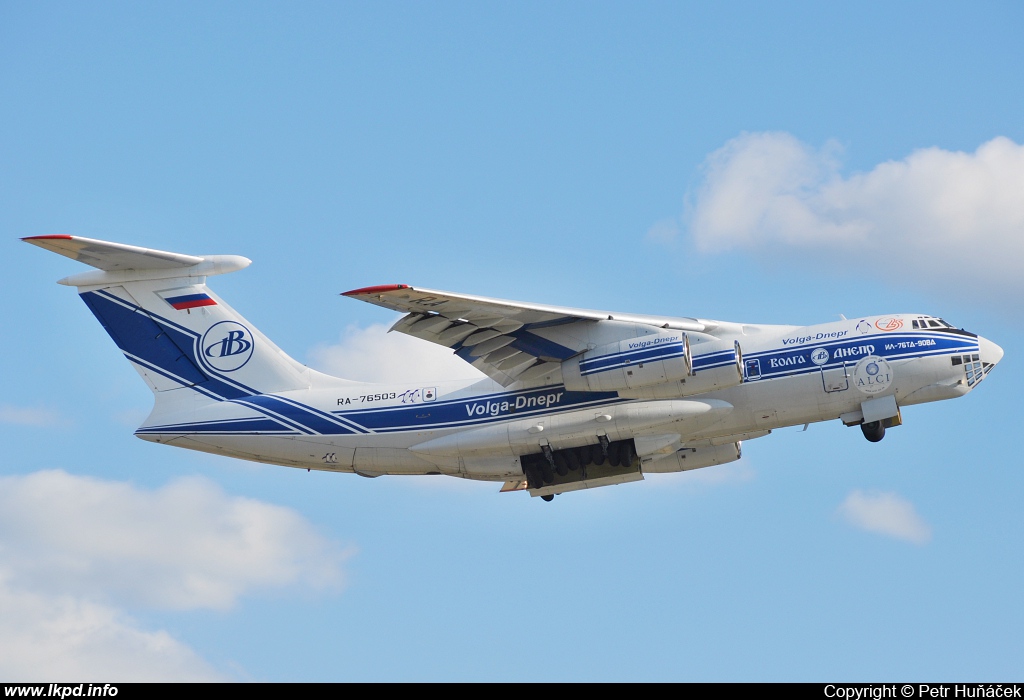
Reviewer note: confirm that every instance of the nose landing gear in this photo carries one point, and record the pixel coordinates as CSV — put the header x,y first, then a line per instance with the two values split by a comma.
x,y
873,431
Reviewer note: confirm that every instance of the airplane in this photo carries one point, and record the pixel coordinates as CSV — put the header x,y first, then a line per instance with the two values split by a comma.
x,y
572,399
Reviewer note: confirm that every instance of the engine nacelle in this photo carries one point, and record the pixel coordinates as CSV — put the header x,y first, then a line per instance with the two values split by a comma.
x,y
654,360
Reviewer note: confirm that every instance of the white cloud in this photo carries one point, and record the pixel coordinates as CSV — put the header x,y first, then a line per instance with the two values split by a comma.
x,y
44,637
372,354
939,217
75,551
186,545
18,415
885,514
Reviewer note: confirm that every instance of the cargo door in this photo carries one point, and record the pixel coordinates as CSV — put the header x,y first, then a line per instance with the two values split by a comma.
x,y
836,379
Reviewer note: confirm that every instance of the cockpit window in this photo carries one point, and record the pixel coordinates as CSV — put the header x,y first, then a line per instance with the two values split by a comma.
x,y
937,323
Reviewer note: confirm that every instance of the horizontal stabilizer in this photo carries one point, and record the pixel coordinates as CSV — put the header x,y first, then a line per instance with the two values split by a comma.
x,y
112,256
174,330
120,262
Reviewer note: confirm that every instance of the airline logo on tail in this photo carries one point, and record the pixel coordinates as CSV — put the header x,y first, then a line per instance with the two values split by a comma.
x,y
227,346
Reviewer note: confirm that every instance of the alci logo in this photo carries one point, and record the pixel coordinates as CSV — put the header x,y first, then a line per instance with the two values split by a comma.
x,y
872,375
227,346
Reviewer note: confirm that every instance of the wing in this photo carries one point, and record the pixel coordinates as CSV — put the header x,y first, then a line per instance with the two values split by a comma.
x,y
507,340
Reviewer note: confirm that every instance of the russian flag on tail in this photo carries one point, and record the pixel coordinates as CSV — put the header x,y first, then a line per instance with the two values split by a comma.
x,y
190,301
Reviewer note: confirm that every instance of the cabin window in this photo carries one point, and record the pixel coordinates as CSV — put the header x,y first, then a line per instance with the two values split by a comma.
x,y
957,360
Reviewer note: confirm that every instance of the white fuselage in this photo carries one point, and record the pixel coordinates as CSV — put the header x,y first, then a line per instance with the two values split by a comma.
x,y
575,398
790,375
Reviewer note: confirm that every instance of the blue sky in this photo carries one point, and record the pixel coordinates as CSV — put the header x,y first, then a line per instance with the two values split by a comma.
x,y
587,154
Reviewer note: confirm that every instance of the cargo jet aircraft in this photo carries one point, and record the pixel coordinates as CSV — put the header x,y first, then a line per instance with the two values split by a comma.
x,y
574,398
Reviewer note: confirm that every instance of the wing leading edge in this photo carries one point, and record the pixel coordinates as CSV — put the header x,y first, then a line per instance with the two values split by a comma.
x,y
507,340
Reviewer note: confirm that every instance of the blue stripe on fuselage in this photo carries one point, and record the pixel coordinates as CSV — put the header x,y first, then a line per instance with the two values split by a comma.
x,y
139,334
782,362
159,342
629,357
477,410
243,426
654,353
714,359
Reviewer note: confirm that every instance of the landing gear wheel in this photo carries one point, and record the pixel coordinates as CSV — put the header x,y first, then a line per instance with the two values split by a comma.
x,y
613,454
533,478
561,466
873,431
547,472
626,454
585,455
572,460
550,497
597,455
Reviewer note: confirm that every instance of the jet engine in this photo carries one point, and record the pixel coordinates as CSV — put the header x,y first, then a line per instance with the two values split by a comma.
x,y
654,360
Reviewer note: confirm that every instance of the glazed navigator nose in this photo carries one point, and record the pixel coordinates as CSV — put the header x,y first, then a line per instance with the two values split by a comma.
x,y
990,353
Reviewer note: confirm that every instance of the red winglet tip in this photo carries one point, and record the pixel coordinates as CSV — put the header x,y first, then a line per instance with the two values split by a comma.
x,y
56,236
379,289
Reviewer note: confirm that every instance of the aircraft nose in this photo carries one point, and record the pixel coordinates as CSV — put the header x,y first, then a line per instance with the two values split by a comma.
x,y
990,352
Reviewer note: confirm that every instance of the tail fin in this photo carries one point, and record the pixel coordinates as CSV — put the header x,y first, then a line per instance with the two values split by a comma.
x,y
173,329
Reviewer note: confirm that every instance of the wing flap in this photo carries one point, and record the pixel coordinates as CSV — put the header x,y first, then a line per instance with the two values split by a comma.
x,y
493,358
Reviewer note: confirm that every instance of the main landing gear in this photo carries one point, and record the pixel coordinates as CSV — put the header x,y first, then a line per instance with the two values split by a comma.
x,y
873,431
541,469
